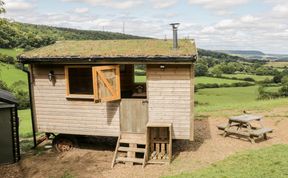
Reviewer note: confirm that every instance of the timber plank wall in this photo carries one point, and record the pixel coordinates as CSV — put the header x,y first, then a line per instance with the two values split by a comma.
x,y
168,93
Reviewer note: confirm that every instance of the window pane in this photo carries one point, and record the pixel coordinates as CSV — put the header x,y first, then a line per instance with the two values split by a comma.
x,y
140,73
80,81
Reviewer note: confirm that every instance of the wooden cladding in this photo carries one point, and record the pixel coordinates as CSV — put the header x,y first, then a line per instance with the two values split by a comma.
x,y
105,82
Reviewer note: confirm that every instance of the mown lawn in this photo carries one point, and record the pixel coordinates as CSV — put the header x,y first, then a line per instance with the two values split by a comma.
x,y
263,163
25,125
9,74
237,98
211,80
255,77
11,52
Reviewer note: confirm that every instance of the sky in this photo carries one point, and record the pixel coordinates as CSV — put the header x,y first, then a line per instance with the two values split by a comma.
x,y
214,24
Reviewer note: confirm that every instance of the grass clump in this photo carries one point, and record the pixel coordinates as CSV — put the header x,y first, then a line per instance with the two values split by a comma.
x,y
263,163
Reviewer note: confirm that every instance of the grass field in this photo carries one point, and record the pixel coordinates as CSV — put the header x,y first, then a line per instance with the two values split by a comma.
x,y
263,163
211,80
11,52
10,74
240,98
277,64
25,127
242,76
140,79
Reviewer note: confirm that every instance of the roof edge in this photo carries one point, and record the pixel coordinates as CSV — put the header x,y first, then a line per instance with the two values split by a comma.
x,y
115,59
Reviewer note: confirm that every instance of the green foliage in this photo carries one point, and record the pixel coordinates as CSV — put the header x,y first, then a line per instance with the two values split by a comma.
x,y
284,90
22,98
217,71
201,69
218,55
15,34
284,80
264,94
262,163
4,86
2,10
6,59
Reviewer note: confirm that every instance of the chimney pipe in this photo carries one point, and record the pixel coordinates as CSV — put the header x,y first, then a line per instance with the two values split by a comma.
x,y
175,35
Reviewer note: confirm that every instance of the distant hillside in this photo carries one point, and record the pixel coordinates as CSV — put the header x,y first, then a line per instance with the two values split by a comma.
x,y
219,55
243,52
21,35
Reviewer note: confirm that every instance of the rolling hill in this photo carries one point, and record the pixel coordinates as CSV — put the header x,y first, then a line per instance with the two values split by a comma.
x,y
22,35
253,54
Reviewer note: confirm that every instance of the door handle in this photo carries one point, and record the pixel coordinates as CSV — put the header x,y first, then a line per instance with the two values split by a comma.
x,y
144,101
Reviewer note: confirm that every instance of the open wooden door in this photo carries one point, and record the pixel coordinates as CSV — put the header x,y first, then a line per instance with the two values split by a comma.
x,y
106,83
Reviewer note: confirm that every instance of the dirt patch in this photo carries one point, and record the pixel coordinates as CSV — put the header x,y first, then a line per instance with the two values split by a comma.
x,y
95,161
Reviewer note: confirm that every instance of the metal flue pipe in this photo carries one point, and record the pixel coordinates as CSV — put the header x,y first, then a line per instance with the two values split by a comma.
x,y
175,35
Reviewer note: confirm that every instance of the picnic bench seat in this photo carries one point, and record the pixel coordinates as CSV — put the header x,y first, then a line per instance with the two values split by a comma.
x,y
261,131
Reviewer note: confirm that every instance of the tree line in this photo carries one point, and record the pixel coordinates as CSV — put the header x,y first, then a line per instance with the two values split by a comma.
x,y
22,35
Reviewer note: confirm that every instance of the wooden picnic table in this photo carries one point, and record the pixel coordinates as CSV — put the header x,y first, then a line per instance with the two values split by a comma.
x,y
241,125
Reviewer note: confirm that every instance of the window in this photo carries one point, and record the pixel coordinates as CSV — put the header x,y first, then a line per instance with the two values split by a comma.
x,y
140,73
100,82
80,81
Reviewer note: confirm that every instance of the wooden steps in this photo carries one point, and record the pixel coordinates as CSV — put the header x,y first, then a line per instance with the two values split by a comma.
x,y
133,141
125,159
133,149
137,150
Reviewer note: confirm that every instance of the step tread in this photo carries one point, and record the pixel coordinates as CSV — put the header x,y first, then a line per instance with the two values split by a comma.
x,y
134,160
130,140
140,150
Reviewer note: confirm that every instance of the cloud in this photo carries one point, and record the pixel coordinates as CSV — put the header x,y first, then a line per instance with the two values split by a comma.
x,y
81,10
160,4
18,5
219,6
116,4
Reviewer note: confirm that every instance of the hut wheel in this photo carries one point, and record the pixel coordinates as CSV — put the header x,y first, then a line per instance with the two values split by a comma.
x,y
63,143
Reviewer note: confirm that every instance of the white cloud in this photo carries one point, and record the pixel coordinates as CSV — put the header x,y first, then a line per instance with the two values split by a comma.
x,y
117,4
160,4
221,7
81,10
16,5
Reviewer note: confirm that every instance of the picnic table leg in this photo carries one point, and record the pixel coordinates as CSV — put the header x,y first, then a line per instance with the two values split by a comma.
x,y
227,127
265,136
252,140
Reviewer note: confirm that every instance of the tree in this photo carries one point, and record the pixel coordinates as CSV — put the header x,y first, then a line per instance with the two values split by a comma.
x,y
2,10
284,80
201,69
216,71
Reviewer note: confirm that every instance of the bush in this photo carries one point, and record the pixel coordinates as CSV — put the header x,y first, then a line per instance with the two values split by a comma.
x,y
22,98
4,86
266,94
224,85
201,69
6,59
249,79
284,90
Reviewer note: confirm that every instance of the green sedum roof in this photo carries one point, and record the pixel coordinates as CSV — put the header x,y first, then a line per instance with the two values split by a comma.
x,y
113,48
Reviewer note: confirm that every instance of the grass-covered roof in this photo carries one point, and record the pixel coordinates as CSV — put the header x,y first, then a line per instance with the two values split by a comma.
x,y
99,49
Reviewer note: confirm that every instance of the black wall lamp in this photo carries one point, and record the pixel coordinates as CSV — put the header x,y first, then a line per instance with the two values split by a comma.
x,y
51,76
162,67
